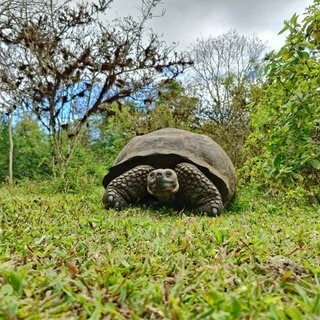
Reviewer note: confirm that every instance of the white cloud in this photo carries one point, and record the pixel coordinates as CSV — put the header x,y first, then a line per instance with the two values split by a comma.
x,y
187,20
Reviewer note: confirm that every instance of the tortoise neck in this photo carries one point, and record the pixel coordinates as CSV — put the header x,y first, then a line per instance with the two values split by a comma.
x,y
165,197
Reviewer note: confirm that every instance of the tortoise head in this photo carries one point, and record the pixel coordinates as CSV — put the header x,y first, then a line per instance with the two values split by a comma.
x,y
163,184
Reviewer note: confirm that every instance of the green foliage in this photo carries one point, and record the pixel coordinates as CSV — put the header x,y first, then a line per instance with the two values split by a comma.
x,y
32,159
174,108
83,172
64,257
114,131
285,143
31,154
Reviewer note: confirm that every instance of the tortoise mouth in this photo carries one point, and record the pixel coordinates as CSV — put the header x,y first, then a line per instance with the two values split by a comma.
x,y
163,186
164,192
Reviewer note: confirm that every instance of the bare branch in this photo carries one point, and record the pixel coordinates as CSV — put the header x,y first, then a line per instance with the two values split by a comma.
x,y
62,62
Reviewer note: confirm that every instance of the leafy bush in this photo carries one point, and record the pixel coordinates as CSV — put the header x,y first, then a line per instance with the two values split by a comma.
x,y
285,143
31,154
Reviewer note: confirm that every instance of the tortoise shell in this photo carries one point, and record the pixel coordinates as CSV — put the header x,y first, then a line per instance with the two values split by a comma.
x,y
166,148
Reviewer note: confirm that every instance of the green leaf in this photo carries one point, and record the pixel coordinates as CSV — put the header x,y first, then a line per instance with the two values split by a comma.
x,y
7,290
294,19
278,160
315,164
294,313
16,281
236,308
285,28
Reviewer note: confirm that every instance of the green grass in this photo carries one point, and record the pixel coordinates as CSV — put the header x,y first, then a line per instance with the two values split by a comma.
x,y
64,257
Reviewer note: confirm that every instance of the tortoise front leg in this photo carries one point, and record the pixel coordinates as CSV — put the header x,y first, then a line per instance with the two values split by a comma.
x,y
198,191
128,188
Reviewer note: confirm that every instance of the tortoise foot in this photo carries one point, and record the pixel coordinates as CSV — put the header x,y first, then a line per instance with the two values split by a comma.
x,y
112,199
128,188
212,208
197,191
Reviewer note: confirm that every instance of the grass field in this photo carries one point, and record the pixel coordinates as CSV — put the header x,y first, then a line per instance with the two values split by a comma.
x,y
64,257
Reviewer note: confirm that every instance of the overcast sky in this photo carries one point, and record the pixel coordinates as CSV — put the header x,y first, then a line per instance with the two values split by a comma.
x,y
186,20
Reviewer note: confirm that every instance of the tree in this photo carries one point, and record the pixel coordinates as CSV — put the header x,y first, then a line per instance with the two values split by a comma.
x,y
224,71
7,111
4,147
10,149
65,63
171,107
176,106
285,142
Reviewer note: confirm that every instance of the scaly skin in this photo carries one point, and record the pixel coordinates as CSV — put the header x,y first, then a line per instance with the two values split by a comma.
x,y
193,189
128,188
197,191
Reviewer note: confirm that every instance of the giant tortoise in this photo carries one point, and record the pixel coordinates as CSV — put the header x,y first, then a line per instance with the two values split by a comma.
x,y
171,167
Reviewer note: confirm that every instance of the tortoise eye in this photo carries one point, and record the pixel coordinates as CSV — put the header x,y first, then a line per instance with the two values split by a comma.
x,y
152,175
168,174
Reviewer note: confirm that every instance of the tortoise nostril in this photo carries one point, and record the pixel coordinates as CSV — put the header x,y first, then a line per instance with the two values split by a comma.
x,y
159,174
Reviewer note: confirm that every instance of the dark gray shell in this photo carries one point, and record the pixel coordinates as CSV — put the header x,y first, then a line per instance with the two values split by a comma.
x,y
167,147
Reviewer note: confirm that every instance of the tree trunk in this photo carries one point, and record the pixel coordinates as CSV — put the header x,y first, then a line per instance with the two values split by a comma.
x,y
10,177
